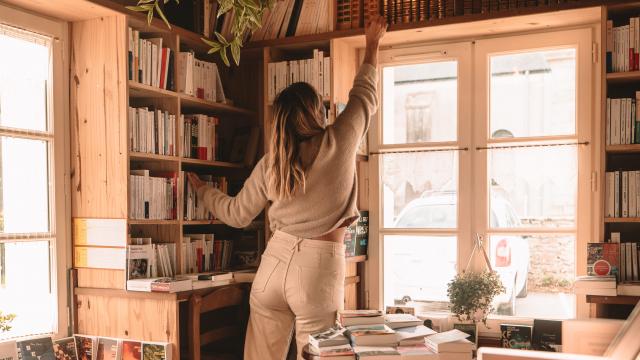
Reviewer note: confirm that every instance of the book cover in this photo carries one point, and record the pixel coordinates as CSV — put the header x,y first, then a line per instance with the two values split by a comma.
x,y
108,349
36,349
470,329
65,349
155,351
85,347
330,337
8,350
547,335
131,350
603,259
516,336
362,233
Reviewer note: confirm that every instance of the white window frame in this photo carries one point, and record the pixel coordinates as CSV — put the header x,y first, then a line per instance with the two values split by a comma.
x,y
60,204
396,55
472,163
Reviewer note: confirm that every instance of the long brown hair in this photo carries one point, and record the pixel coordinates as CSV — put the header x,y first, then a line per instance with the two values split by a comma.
x,y
297,116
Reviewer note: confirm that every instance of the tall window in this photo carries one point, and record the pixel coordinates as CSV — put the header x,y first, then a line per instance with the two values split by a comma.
x,y
28,226
511,172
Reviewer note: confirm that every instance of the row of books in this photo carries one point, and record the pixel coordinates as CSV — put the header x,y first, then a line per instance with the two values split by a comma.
x,y
152,195
295,18
199,16
148,62
84,347
193,208
623,44
622,194
152,131
198,78
620,260
199,136
202,253
146,259
189,282
356,238
622,121
315,71
356,13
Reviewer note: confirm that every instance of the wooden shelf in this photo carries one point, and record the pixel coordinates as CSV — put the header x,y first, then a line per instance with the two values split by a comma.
x,y
147,156
613,300
202,222
622,220
191,103
138,90
623,77
356,259
198,162
152,222
622,149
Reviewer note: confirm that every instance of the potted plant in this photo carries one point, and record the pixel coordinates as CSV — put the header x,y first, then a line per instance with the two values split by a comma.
x,y
247,16
471,294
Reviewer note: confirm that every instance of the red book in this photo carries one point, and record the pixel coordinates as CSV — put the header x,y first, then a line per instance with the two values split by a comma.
x,y
199,257
163,68
202,152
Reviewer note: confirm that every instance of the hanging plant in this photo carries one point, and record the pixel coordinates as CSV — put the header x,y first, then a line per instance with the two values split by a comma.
x,y
247,16
471,295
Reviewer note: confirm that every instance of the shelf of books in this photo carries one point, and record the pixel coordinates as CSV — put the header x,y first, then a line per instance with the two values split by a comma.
x,y
615,259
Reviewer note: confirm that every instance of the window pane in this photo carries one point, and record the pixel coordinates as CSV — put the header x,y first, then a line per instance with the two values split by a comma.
x,y
420,190
418,268
420,103
533,94
25,180
23,83
533,187
538,274
25,288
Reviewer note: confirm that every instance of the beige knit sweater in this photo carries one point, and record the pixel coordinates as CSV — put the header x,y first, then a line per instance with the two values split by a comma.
x,y
331,187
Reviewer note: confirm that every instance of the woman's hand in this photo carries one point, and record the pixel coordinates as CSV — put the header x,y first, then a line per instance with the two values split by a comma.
x,y
375,30
195,181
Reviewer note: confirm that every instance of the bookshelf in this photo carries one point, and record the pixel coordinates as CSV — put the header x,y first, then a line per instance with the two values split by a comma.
x,y
617,156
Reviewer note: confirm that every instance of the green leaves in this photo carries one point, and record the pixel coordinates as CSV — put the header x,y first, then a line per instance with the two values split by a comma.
x,y
247,16
149,6
471,295
5,319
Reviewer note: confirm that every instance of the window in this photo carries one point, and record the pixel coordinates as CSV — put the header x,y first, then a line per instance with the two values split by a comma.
x,y
32,211
510,168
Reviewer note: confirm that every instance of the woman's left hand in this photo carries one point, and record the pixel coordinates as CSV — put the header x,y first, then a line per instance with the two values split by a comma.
x,y
195,181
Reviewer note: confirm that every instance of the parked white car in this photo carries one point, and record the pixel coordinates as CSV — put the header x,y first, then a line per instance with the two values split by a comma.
x,y
509,255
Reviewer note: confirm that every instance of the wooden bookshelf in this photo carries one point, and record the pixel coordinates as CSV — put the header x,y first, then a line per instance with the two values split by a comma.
x,y
623,157
209,163
152,222
621,149
152,157
622,220
202,222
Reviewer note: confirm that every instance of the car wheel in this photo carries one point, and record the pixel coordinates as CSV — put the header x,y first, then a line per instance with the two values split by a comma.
x,y
523,292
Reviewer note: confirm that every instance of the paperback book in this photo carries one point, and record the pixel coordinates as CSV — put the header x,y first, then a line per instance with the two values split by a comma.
x,y
396,321
331,337
65,349
131,350
547,335
413,335
8,350
516,336
108,349
85,347
36,349
156,351
360,317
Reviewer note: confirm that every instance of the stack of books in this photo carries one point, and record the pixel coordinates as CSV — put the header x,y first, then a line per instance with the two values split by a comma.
x,y
201,253
622,121
194,209
294,18
199,136
370,335
152,195
152,131
146,259
315,71
623,43
595,285
451,345
199,78
149,63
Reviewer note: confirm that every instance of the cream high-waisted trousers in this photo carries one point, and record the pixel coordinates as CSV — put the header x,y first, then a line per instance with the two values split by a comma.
x,y
299,285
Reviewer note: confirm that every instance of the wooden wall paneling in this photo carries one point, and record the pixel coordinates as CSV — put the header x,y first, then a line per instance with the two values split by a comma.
x,y
101,278
147,319
99,118
344,65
